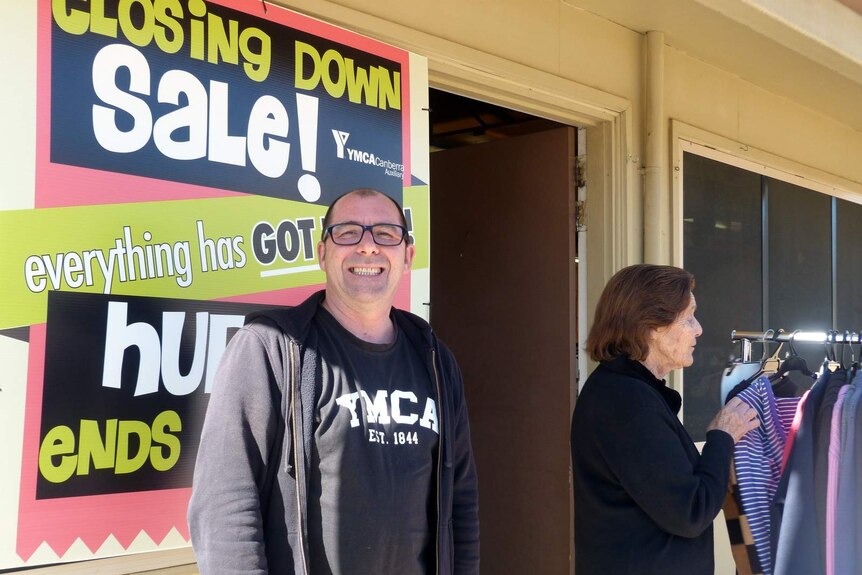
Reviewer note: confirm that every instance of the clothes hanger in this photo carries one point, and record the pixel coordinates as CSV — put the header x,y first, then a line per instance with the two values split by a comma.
x,y
738,375
792,362
830,363
845,341
770,364
854,364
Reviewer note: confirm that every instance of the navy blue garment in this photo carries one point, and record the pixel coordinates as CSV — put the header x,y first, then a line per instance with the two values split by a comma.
x,y
797,543
822,436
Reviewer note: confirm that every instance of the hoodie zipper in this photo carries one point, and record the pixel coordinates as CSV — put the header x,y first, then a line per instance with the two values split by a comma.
x,y
294,362
439,451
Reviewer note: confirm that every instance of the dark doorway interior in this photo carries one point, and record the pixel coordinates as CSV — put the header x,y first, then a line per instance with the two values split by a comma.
x,y
457,121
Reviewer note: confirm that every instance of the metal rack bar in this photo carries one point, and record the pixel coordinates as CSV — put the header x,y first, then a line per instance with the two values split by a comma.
x,y
797,336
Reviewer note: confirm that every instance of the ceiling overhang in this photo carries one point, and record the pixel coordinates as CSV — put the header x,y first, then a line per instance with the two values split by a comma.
x,y
809,52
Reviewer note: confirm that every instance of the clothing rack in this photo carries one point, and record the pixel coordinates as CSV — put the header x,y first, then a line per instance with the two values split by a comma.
x,y
746,338
810,476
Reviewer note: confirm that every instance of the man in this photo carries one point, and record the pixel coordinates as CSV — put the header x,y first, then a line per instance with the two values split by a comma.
x,y
336,438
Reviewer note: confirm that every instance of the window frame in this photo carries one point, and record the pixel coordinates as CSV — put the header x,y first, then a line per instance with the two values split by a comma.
x,y
690,139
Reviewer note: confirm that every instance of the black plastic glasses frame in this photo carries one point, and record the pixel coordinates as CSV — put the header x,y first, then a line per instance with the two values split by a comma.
x,y
375,230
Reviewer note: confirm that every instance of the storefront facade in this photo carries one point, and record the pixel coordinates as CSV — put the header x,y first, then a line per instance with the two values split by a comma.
x,y
771,88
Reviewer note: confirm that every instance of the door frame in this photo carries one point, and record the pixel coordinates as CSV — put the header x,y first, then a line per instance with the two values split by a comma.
x,y
614,217
614,214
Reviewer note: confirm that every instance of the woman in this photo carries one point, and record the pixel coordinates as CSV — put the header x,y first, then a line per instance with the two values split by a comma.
x,y
645,499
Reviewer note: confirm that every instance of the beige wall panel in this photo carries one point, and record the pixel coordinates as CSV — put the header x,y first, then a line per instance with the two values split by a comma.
x,y
523,32
701,95
830,30
711,99
854,157
784,128
600,53
18,103
609,57
547,35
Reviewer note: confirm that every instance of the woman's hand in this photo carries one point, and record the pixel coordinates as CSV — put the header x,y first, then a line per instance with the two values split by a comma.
x,y
736,419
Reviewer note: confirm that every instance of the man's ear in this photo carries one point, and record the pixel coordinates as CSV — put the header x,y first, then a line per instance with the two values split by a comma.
x,y
409,254
321,253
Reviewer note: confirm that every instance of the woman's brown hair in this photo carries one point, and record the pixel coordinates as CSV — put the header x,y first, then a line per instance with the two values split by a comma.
x,y
636,300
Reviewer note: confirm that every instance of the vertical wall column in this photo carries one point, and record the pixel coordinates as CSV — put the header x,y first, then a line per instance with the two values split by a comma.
x,y
657,202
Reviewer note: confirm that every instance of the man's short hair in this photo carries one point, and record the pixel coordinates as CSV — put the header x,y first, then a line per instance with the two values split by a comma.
x,y
637,300
362,193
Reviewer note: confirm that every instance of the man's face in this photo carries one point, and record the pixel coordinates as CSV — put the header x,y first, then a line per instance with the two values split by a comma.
x,y
364,273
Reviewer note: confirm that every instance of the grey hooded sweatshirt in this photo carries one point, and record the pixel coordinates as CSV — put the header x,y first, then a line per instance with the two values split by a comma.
x,y
247,512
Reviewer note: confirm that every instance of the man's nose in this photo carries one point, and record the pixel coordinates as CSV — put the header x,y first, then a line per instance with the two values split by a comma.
x,y
366,243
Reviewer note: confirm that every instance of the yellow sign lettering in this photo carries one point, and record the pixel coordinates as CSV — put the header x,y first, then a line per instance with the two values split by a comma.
x,y
61,456
374,86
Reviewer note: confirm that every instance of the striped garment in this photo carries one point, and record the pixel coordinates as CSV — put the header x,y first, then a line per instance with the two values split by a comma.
x,y
757,461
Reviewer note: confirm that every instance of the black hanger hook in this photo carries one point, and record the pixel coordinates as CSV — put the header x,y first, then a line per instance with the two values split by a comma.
x,y
832,338
792,338
767,335
844,344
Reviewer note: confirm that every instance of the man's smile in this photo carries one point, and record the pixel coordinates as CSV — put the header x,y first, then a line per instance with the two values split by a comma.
x,y
366,270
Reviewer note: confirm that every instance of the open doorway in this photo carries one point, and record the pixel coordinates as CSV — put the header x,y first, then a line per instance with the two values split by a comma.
x,y
504,298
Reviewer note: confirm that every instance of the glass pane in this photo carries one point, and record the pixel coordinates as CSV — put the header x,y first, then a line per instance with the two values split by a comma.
x,y
849,285
800,264
722,239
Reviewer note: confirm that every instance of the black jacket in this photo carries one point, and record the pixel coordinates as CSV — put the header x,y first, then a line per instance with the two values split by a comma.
x,y
247,513
645,499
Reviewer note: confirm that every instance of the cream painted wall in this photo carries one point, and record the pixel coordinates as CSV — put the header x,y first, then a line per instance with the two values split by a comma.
x,y
18,63
512,29
558,37
826,31
719,102
548,35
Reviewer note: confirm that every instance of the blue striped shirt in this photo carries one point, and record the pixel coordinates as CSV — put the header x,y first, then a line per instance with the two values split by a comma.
x,y
757,460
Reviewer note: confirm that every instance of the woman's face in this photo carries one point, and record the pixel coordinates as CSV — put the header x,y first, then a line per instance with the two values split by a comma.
x,y
671,347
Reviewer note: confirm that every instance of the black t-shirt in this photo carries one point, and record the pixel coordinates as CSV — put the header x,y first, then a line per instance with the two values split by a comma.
x,y
373,458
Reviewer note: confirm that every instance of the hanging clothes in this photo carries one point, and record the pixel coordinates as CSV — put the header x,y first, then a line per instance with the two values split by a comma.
x,y
794,429
756,470
739,533
832,479
822,437
797,544
847,547
736,376
804,466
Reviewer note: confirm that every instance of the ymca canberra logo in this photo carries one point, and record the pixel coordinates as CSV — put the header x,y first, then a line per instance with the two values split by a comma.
x,y
390,168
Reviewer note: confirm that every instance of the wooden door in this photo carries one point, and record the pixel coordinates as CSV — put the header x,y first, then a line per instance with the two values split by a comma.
x,y
503,297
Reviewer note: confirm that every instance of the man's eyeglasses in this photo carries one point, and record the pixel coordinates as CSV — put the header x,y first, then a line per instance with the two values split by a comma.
x,y
382,234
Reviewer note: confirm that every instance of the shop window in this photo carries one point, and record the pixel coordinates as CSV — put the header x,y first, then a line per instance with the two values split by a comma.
x,y
761,251
848,285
